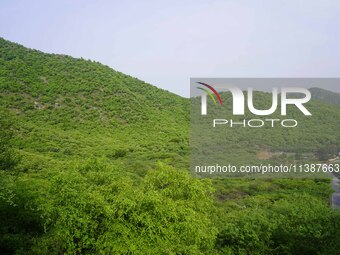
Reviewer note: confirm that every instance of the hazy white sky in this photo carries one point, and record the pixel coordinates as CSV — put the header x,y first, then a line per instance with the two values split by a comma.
x,y
167,42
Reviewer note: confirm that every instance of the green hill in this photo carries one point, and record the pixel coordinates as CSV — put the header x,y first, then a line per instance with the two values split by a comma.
x,y
93,161
80,108
325,95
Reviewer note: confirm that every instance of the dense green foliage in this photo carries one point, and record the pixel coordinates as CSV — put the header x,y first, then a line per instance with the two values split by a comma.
x,y
276,217
94,162
8,156
96,209
72,108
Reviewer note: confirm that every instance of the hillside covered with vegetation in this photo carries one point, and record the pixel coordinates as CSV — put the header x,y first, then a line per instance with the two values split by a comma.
x,y
93,161
325,95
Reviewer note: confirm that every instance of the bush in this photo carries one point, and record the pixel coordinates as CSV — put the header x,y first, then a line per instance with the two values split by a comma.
x,y
95,210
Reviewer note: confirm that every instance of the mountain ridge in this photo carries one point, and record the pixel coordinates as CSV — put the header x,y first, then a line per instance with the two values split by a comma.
x,y
3,42
61,94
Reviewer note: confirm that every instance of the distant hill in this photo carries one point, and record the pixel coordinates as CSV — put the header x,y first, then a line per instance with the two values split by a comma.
x,y
325,95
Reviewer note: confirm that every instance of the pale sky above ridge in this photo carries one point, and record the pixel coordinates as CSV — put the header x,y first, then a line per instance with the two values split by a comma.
x,y
167,42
